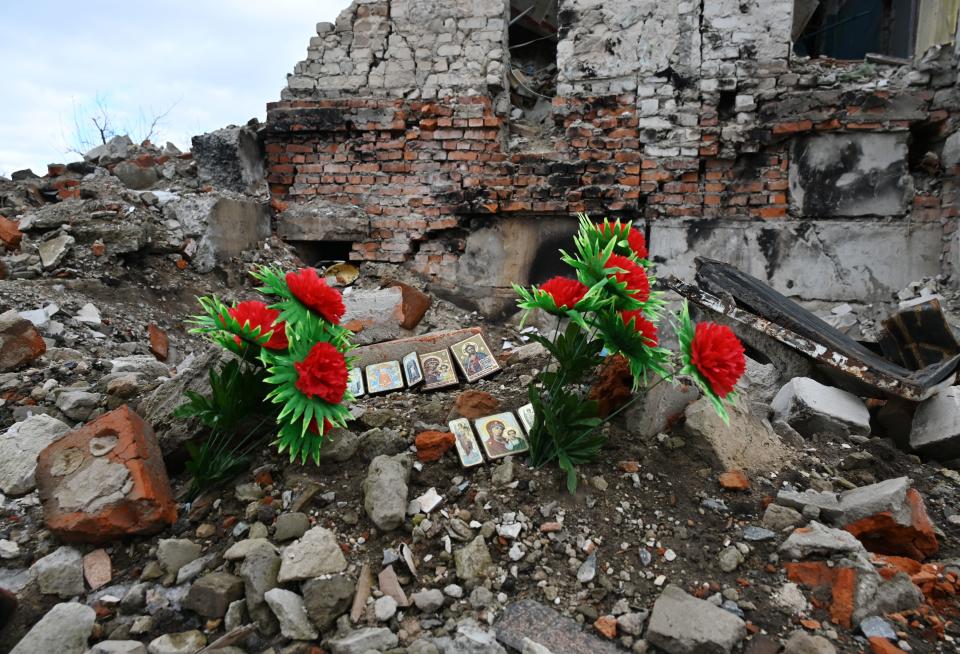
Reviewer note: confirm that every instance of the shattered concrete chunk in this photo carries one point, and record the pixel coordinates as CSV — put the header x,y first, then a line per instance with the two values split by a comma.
x,y
811,408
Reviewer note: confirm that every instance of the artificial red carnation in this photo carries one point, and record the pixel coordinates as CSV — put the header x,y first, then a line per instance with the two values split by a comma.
x,y
642,326
323,373
253,314
307,287
566,293
718,354
636,240
638,285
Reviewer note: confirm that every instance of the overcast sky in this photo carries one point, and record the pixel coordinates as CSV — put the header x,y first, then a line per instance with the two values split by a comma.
x,y
216,62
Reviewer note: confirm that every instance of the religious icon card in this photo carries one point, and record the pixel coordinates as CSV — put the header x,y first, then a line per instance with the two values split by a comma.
x,y
501,435
383,377
467,447
526,415
474,357
411,369
438,370
355,382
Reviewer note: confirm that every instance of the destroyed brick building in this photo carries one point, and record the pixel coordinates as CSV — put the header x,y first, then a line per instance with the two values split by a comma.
x,y
460,138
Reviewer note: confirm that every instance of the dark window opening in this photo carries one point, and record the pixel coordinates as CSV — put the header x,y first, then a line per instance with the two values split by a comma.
x,y
322,254
533,71
851,29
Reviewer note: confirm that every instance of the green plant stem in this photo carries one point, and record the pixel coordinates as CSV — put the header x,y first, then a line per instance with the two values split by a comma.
x,y
631,401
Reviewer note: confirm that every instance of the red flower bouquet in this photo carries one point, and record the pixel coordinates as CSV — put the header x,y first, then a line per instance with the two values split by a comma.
x,y
252,315
566,293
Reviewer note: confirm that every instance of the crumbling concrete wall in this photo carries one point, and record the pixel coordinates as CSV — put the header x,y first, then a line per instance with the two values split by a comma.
x,y
830,180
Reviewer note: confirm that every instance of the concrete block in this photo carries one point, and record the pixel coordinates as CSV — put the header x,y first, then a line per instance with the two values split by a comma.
x,y
810,407
868,260
936,426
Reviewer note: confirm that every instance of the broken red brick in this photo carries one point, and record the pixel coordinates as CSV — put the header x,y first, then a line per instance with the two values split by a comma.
x,y
105,481
98,249
880,645
20,342
10,234
607,626
432,445
415,303
734,480
844,590
814,574
883,534
476,404
629,466
159,343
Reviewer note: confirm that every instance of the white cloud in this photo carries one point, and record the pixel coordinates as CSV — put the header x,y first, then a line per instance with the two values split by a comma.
x,y
220,61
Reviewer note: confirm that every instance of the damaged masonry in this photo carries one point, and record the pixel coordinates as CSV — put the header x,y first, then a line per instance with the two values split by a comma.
x,y
789,167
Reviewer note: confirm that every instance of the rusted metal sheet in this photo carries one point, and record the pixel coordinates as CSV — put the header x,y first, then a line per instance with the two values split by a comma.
x,y
783,320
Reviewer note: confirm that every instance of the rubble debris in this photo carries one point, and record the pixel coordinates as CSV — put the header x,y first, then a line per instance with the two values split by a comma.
x,y
935,430
65,628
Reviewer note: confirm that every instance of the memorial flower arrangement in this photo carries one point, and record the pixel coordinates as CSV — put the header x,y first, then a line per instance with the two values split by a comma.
x,y
291,369
610,307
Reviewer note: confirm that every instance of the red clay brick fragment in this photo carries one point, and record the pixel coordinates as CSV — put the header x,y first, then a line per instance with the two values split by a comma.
x,y
734,480
105,481
432,445
881,533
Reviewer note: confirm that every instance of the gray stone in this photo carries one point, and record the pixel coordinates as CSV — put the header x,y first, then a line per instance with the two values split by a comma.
x,y
116,149
875,626
19,447
530,620
136,177
588,569
362,641
473,560
827,503
259,572
757,534
327,598
290,526
118,647
876,596
60,573
236,615
212,594
316,554
174,553
379,311
239,550
375,442
652,414
817,539
936,426
339,445
764,380
811,408
729,559
682,624
470,638
64,629
502,474
800,642
290,612
185,642
384,608
747,443
886,496
231,158
428,601
53,250
385,491
78,405
778,517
